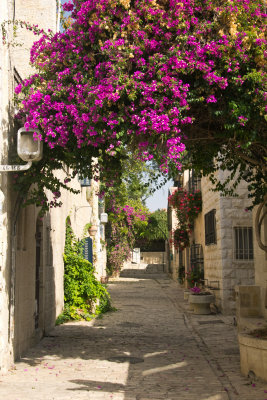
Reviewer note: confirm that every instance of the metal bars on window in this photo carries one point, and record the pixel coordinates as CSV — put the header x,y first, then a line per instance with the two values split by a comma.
x,y
194,182
243,243
210,227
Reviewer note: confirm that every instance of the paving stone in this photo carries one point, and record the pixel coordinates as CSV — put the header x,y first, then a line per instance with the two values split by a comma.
x,y
184,356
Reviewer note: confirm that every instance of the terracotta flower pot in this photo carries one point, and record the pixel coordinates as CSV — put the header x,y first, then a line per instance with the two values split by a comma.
x,y
92,230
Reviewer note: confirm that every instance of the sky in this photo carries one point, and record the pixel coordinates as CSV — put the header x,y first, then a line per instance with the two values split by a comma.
x,y
159,198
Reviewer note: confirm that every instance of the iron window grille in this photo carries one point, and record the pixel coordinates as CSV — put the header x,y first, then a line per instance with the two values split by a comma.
x,y
194,181
243,243
210,228
196,255
197,259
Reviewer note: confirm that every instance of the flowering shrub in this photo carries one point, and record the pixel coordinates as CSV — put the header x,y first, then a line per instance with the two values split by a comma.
x,y
181,238
124,224
195,290
155,75
194,276
187,206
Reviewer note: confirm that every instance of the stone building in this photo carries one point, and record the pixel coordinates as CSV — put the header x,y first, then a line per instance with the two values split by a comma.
x,y
221,243
31,248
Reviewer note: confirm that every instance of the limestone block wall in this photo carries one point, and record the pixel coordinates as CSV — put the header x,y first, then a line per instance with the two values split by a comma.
x,y
234,272
17,236
173,259
43,13
212,252
155,257
221,269
24,301
4,271
39,269
219,260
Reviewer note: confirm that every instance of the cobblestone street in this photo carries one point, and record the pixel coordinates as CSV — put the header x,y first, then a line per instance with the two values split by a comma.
x,y
151,348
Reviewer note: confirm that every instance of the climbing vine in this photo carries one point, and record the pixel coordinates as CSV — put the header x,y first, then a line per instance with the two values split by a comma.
x,y
187,206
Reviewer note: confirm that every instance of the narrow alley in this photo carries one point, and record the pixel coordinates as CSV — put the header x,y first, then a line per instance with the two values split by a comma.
x,y
151,348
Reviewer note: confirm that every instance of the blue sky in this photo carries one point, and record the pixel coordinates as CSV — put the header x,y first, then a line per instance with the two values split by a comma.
x,y
159,198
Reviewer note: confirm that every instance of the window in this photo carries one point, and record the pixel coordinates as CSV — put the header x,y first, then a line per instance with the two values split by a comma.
x,y
243,243
194,182
84,181
210,228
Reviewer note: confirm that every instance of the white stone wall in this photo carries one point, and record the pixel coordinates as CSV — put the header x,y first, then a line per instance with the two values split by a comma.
x,y
153,257
173,254
6,91
43,13
51,290
212,253
221,270
18,255
234,272
220,264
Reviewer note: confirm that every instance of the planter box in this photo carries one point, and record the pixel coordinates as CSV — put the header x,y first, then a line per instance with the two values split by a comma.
x,y
253,355
201,303
186,294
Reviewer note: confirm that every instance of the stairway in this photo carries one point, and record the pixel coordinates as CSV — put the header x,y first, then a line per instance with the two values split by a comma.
x,y
134,270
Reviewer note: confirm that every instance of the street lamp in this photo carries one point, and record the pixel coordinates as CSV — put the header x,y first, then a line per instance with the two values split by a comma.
x,y
29,149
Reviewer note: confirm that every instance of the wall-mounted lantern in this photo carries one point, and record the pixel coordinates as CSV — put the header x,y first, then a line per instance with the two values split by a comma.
x,y
103,218
29,149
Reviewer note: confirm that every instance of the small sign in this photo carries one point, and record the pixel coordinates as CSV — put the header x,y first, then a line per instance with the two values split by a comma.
x,y
14,168
85,181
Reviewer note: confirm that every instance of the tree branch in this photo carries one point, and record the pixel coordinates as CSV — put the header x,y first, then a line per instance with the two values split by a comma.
x,y
258,223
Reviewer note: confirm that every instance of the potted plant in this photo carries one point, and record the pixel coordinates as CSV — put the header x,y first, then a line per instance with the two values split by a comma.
x,y
200,300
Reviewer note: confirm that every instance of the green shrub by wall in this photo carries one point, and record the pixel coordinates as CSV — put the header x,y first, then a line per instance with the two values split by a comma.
x,y
84,296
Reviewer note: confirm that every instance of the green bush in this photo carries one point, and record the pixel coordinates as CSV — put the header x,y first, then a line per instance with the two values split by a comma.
x,y
84,296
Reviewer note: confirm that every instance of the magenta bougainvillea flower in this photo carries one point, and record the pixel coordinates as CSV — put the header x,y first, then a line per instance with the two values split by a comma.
x,y
154,75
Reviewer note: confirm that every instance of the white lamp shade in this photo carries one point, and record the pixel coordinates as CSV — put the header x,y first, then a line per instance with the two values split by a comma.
x,y
28,148
103,218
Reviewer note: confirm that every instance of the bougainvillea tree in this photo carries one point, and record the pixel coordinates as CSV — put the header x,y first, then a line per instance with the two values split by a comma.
x,y
125,223
154,75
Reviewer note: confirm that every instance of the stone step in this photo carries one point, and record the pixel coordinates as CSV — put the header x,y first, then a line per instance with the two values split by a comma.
x,y
131,269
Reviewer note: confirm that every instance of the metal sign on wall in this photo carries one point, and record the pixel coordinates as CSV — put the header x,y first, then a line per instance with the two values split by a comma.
x,y
88,249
